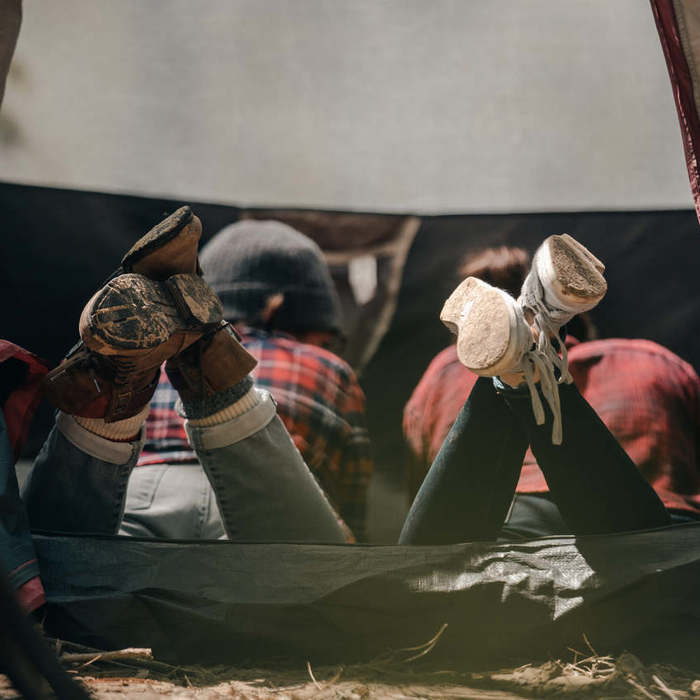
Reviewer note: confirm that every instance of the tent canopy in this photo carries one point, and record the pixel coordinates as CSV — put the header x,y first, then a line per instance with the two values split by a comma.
x,y
447,106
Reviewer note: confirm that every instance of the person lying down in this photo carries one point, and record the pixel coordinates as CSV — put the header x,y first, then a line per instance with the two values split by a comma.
x,y
525,396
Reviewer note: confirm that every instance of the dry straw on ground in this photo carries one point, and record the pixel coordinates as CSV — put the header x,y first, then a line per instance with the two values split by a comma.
x,y
396,675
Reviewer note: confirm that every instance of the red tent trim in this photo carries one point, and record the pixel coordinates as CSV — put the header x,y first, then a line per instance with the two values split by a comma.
x,y
677,56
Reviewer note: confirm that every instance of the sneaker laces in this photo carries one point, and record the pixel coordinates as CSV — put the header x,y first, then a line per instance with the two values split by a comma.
x,y
533,359
548,319
543,356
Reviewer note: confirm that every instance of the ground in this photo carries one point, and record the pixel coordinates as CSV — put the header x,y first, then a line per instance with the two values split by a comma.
x,y
135,673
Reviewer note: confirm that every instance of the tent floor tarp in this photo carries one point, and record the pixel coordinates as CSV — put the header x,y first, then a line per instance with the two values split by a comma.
x,y
222,602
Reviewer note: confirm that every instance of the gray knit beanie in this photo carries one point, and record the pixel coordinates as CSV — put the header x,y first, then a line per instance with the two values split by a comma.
x,y
247,262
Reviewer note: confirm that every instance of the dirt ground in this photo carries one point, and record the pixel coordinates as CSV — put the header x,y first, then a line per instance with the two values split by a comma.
x,y
134,673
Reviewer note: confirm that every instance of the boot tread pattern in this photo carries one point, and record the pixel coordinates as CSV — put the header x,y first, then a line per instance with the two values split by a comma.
x,y
133,313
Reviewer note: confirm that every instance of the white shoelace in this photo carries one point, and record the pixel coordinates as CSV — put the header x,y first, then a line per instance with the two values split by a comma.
x,y
543,356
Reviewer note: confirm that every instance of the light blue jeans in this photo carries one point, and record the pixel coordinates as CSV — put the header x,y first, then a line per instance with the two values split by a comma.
x,y
263,490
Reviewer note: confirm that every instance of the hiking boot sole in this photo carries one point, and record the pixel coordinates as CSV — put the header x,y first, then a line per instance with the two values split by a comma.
x,y
132,313
491,334
169,248
570,274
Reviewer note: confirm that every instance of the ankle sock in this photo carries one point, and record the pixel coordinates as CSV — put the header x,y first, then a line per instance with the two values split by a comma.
x,y
224,405
126,430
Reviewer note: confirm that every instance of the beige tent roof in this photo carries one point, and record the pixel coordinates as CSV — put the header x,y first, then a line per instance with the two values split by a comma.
x,y
447,105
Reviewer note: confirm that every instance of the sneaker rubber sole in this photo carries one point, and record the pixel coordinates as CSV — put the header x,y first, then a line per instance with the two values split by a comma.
x,y
132,313
491,333
570,274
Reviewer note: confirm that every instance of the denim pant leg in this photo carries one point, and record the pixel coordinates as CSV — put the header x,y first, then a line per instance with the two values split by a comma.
x,y
174,501
470,485
264,490
596,485
17,556
78,481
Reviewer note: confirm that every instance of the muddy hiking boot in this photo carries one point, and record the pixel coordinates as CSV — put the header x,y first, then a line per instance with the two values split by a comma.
x,y
217,362
155,306
499,336
127,330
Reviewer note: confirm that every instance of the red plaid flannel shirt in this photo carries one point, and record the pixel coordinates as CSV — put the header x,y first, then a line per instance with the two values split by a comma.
x,y
648,398
320,403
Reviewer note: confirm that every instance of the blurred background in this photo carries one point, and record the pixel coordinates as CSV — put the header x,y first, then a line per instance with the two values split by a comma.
x,y
400,135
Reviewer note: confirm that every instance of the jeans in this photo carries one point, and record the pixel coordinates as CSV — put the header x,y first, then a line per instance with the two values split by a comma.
x,y
470,486
173,501
17,557
264,490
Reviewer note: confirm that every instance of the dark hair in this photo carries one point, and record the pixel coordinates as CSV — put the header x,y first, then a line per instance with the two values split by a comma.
x,y
501,266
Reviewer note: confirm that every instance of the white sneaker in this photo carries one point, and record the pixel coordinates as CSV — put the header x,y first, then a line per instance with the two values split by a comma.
x,y
494,339
565,279
493,336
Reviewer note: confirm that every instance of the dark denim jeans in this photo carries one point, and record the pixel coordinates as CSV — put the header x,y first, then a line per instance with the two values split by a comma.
x,y
469,488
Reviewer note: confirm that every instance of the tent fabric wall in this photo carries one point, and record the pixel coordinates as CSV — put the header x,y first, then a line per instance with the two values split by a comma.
x,y
233,603
428,107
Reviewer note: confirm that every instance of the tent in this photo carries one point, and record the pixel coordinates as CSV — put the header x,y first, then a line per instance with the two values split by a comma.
x,y
495,122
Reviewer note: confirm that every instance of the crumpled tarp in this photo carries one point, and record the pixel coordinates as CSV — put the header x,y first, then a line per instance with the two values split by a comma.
x,y
245,603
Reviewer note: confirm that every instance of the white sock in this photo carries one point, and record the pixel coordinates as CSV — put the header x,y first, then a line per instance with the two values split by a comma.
x,y
120,430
